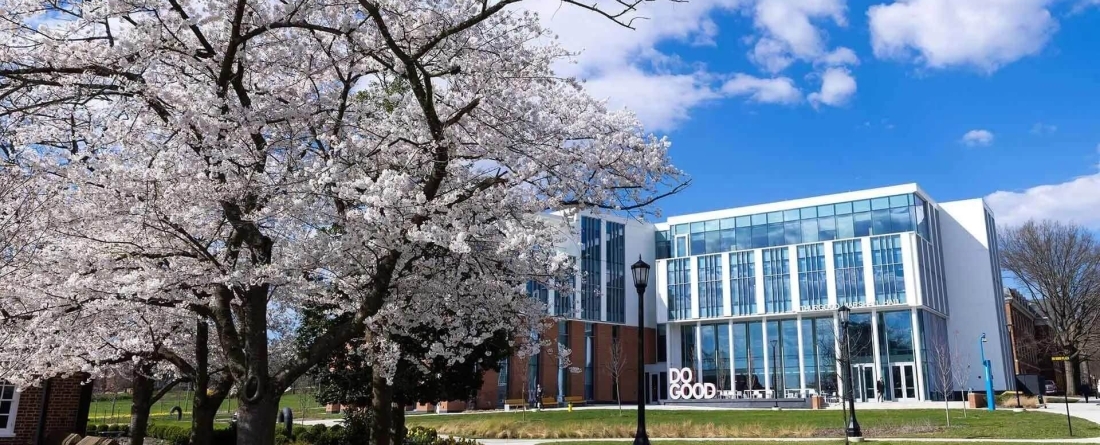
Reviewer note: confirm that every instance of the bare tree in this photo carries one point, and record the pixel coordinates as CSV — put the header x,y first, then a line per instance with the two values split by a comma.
x,y
1059,266
615,366
945,374
722,367
960,372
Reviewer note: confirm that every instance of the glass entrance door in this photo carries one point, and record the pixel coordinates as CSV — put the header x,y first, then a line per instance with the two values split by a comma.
x,y
863,378
903,381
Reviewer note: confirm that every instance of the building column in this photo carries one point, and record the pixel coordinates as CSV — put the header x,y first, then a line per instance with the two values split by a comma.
x,y
758,277
698,351
727,308
868,270
693,268
830,273
875,353
801,358
910,264
729,340
792,264
838,347
767,354
918,355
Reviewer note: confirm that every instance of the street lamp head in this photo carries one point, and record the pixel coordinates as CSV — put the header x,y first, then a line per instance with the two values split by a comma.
x,y
640,270
774,342
843,313
983,338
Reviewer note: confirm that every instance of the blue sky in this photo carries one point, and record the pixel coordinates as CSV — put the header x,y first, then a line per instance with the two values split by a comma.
x,y
776,99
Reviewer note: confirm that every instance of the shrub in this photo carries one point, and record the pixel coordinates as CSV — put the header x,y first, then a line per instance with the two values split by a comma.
x,y
419,435
102,428
174,435
124,429
112,428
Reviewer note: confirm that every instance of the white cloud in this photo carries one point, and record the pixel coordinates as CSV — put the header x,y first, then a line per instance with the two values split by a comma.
x,y
974,138
839,57
789,32
1041,128
662,101
985,34
625,66
780,90
1074,201
837,86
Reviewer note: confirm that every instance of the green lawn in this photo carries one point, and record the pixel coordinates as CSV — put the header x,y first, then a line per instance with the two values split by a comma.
x,y
607,423
108,409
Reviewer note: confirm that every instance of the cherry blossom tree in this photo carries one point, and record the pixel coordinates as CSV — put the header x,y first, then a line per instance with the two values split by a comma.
x,y
238,161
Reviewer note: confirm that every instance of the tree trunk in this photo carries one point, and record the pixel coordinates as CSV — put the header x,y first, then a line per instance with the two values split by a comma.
x,y
142,403
947,410
619,395
1071,367
381,404
206,400
256,420
398,422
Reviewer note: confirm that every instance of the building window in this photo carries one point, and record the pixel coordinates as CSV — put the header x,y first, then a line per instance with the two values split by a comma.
x,y
878,216
591,273
687,347
662,343
812,290
663,244
9,404
679,289
563,301
616,272
848,262
710,286
538,291
716,354
589,361
888,269
743,282
563,374
777,280
502,382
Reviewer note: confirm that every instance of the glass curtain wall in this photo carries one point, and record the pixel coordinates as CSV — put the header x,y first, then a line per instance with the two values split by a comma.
x,y
783,366
716,354
879,216
848,262
679,289
616,272
812,290
888,270
743,283
710,286
777,280
748,356
819,354
687,348
591,270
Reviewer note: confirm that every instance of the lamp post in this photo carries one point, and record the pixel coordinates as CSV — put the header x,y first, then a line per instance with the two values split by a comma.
x,y
640,270
988,375
775,375
853,429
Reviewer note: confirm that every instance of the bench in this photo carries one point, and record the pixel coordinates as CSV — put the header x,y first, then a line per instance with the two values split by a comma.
x,y
574,400
514,403
549,402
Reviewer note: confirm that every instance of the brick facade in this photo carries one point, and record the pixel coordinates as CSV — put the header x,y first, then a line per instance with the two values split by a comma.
x,y
66,412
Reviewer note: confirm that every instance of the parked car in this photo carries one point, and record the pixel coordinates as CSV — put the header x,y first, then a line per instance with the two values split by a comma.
x,y
1051,388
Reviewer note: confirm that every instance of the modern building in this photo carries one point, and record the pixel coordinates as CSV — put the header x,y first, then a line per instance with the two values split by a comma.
x,y
748,296
602,311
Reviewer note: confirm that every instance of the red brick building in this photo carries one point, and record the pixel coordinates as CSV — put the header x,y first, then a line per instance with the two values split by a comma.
x,y
45,414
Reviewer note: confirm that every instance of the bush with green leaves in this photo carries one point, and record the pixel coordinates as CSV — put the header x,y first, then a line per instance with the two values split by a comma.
x,y
419,435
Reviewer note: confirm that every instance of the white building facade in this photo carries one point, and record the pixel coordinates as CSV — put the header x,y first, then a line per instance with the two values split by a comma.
x,y
747,297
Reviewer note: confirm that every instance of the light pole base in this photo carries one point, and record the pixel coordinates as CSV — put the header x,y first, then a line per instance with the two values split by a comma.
x,y
641,438
856,439
776,408
1018,410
